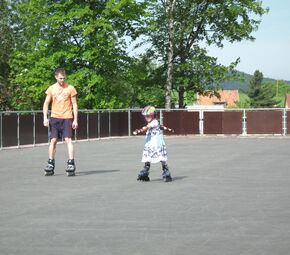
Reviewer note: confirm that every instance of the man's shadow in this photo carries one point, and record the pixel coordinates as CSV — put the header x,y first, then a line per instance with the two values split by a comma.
x,y
96,172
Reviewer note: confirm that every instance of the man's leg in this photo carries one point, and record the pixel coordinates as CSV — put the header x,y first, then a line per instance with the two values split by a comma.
x,y
71,168
49,169
70,148
68,134
53,128
52,148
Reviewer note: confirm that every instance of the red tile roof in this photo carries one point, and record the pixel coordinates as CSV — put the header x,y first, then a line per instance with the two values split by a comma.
x,y
228,97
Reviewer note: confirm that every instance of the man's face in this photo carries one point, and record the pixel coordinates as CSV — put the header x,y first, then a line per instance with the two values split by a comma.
x,y
60,79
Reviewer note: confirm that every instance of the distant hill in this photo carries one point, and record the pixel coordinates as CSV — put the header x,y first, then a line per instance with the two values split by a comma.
x,y
244,82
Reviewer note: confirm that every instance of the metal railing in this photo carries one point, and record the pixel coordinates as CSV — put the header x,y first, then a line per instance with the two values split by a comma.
x,y
25,128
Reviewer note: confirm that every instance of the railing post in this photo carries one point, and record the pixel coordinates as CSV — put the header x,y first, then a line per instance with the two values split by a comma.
x,y
76,135
1,133
110,124
34,134
161,116
201,122
88,127
99,125
284,122
129,122
244,123
18,130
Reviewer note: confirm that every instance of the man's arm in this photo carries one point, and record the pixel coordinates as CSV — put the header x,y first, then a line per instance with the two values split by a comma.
x,y
75,111
45,110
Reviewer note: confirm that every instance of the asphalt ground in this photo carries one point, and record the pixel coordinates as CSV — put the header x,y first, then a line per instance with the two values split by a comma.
x,y
228,196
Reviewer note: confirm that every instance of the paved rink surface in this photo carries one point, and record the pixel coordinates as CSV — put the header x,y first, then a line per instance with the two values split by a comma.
x,y
229,196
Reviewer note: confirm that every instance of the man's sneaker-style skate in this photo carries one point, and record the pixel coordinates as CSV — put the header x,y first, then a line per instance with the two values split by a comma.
x,y
71,168
49,169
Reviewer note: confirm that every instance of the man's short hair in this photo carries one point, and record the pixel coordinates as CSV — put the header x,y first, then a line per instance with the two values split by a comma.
x,y
60,71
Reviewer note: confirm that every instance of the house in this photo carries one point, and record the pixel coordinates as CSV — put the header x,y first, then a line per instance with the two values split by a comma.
x,y
207,101
228,98
287,101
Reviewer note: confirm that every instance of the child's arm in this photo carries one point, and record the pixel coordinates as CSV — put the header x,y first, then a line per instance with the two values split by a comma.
x,y
141,130
162,127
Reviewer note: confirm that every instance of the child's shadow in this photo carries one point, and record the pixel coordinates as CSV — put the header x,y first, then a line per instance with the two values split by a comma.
x,y
96,172
174,178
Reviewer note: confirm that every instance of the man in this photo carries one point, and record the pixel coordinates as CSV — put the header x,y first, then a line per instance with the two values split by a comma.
x,y
64,118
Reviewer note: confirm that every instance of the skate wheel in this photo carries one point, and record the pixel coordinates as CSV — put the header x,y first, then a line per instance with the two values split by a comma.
x,y
167,179
143,179
48,173
70,173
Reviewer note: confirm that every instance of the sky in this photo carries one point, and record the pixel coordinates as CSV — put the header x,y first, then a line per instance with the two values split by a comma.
x,y
270,52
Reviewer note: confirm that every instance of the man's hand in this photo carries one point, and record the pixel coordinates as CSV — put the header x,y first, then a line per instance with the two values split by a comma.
x,y
45,122
75,124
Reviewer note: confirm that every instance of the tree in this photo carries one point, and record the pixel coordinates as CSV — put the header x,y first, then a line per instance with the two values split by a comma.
x,y
6,45
170,4
196,23
145,83
260,95
87,38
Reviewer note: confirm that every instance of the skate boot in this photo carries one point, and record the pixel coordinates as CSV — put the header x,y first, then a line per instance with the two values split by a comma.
x,y
144,173
71,168
166,176
49,169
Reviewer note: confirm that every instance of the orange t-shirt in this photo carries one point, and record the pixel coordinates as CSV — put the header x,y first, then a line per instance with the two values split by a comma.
x,y
61,100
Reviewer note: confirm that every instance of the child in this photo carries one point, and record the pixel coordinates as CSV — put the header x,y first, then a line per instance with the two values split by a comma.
x,y
155,149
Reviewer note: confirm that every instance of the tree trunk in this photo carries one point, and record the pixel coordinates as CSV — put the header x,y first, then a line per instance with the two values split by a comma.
x,y
181,97
170,22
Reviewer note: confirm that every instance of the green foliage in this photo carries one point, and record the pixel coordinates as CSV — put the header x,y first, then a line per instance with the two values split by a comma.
x,y
280,89
244,101
145,83
260,95
90,39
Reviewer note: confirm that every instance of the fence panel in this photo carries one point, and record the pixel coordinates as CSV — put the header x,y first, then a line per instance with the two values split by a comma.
x,y
9,130
41,132
93,125
119,123
82,126
182,122
288,122
232,123
137,120
104,124
264,122
213,123
26,129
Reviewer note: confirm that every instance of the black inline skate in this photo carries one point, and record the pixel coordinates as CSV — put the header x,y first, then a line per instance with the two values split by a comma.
x,y
166,176
144,173
49,169
71,168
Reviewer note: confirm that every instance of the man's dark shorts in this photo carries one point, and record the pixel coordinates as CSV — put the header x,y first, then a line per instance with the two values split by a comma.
x,y
60,128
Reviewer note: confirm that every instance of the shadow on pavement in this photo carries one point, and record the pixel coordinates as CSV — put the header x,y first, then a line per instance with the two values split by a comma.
x,y
96,172
174,178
